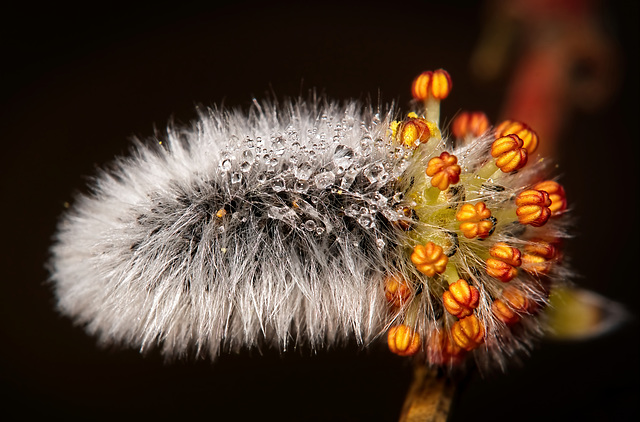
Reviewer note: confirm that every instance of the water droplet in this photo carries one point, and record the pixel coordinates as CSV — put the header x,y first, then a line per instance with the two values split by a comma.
x,y
225,165
304,171
366,221
273,162
310,225
262,178
221,229
348,178
245,166
236,178
325,179
259,142
398,197
319,230
343,156
250,143
380,244
295,146
248,156
278,184
278,145
301,186
374,172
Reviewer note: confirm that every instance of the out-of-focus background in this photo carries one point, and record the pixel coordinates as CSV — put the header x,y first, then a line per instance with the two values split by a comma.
x,y
78,83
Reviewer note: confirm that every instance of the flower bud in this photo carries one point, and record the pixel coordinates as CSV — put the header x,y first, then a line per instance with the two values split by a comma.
x,y
468,332
429,259
533,207
403,341
443,170
556,195
470,124
524,132
509,153
475,220
461,299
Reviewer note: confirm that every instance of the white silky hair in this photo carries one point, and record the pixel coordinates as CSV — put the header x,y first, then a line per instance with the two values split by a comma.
x,y
236,232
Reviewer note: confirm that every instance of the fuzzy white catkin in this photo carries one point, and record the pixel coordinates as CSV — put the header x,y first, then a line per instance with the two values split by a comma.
x,y
241,230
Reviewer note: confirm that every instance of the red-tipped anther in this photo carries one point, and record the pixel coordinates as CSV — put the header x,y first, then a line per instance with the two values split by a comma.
x,y
420,86
396,290
509,153
468,332
441,350
429,259
441,84
413,131
461,299
529,136
538,257
533,207
510,306
443,170
556,195
475,220
403,341
470,124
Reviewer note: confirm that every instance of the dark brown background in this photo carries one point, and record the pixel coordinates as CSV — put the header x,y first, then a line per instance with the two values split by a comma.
x,y
78,84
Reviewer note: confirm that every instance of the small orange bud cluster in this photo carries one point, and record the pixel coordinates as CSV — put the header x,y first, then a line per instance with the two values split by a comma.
x,y
396,290
436,84
556,195
525,133
533,207
461,299
509,153
403,340
443,170
504,262
429,259
538,257
413,131
441,350
475,220
470,124
468,332
510,306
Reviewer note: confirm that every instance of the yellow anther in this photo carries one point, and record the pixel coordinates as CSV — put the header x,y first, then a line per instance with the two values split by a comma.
x,y
441,84
403,341
556,195
429,259
475,220
461,299
468,332
509,153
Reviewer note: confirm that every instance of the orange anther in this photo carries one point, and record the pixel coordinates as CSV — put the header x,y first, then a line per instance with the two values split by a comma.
x,y
412,131
444,171
506,253
441,350
538,257
475,220
396,290
461,299
508,308
468,332
221,213
529,136
431,84
429,259
441,84
420,86
403,341
501,270
533,207
509,153
470,124
556,195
